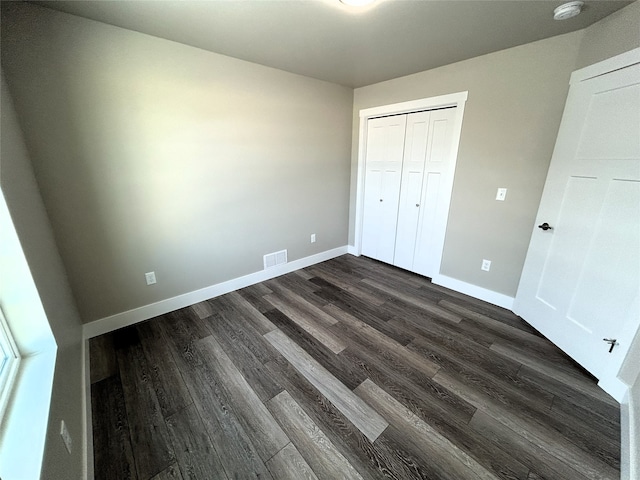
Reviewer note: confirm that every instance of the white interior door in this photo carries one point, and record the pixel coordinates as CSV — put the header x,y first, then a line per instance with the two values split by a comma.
x,y
581,279
385,148
415,155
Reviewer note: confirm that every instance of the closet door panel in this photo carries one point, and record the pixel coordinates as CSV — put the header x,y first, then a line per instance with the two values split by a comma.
x,y
438,170
415,152
385,149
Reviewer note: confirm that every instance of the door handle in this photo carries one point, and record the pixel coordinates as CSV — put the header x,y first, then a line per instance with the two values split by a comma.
x,y
545,226
611,341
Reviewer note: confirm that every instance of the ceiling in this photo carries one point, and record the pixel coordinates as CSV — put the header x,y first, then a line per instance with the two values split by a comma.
x,y
327,40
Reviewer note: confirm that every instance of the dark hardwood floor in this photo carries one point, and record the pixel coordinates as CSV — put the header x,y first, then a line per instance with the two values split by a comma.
x,y
347,369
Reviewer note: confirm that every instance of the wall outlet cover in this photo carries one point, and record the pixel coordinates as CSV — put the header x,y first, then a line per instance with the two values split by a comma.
x,y
150,277
486,265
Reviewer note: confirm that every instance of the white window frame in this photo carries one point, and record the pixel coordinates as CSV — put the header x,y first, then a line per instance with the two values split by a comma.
x,y
9,369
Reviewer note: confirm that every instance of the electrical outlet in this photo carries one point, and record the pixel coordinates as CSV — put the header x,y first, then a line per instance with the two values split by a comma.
x,y
66,437
502,194
486,265
313,238
150,277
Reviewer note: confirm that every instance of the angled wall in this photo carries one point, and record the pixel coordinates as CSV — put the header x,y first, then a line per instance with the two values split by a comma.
x,y
156,156
49,277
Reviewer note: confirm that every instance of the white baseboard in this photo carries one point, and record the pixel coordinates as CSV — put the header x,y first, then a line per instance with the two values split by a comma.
x,y
352,250
87,420
130,317
480,293
614,387
625,438
631,434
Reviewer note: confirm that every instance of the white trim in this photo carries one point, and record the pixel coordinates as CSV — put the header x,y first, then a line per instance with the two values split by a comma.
x,y
490,296
451,100
87,418
24,428
352,250
630,370
626,413
9,371
614,387
626,441
601,68
630,413
130,317
630,434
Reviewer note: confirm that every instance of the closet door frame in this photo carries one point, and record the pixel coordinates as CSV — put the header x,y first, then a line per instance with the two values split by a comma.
x,y
457,100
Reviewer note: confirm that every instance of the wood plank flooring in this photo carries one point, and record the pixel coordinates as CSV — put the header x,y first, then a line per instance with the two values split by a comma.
x,y
350,369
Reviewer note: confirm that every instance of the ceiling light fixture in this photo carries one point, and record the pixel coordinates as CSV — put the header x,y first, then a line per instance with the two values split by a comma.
x,y
568,10
357,3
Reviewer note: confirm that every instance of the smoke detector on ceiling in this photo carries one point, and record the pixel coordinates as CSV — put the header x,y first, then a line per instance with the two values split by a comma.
x,y
568,10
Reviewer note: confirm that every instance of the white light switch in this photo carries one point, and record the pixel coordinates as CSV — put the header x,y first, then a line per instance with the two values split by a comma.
x,y
502,194
150,277
313,238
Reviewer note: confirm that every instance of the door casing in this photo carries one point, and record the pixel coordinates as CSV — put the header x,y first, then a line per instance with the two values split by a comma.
x,y
457,100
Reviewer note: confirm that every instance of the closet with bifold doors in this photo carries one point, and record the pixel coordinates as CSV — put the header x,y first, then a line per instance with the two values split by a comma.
x,y
406,158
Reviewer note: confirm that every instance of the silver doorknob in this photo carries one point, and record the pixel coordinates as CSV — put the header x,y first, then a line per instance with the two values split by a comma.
x,y
545,226
380,199
417,204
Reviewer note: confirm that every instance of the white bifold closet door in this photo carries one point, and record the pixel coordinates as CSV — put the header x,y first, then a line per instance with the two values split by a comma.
x,y
405,158
385,148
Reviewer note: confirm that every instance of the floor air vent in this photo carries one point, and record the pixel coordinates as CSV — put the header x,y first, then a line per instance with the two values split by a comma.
x,y
275,258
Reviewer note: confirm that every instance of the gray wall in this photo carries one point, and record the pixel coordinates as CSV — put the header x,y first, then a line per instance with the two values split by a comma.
x,y
511,119
156,156
34,231
615,34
